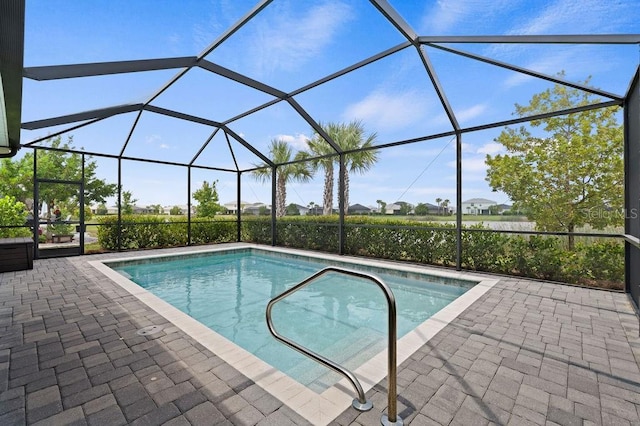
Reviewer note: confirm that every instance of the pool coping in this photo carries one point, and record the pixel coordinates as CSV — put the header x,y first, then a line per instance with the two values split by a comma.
x,y
319,409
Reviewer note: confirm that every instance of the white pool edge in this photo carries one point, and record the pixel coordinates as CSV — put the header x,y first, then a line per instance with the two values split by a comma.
x,y
318,409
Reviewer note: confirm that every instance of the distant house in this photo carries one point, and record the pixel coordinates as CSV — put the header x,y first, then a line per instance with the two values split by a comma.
x,y
140,210
316,210
183,209
477,206
433,209
232,207
303,210
504,208
359,209
398,208
255,208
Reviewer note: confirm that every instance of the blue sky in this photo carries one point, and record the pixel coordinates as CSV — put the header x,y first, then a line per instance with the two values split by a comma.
x,y
291,44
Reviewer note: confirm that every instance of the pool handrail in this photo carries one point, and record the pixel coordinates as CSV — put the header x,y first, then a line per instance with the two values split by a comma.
x,y
360,403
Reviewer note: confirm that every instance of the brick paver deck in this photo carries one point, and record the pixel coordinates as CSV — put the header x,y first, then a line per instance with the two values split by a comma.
x,y
525,353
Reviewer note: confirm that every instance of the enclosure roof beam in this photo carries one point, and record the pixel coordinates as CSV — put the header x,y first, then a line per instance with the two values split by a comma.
x,y
323,80
537,39
235,27
242,79
182,116
438,87
212,46
247,145
11,62
527,72
518,120
81,116
204,145
56,72
315,125
68,129
353,67
394,17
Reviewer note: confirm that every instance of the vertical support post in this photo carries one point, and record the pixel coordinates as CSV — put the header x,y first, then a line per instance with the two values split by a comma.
x,y
274,187
627,198
81,197
119,203
238,205
632,186
341,207
458,201
189,205
392,361
36,211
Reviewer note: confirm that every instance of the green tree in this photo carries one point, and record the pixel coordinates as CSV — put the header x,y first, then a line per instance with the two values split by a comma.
x,y
207,198
445,206
12,213
382,206
102,209
571,175
439,204
281,154
421,209
175,211
405,208
155,209
16,177
128,202
292,210
359,158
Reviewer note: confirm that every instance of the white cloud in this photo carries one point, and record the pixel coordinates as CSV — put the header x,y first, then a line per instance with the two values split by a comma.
x,y
471,165
448,15
467,147
388,111
490,148
151,139
289,40
298,141
470,113
575,17
164,146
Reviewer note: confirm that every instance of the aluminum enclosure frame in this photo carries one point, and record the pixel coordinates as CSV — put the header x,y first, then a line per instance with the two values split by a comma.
x,y
412,40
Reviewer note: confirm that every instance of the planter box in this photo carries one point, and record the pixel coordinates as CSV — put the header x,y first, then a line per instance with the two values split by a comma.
x,y
16,254
61,238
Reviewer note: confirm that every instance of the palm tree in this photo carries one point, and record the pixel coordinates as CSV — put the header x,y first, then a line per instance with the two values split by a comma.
x,y
282,153
319,147
445,205
354,138
349,137
439,203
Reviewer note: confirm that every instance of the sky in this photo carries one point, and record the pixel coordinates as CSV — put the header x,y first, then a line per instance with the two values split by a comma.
x,y
289,45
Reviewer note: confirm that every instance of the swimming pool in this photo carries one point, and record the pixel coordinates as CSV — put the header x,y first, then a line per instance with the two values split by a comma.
x,y
341,317
334,306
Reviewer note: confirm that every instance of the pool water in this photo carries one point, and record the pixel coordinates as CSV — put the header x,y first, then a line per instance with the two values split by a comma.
x,y
341,317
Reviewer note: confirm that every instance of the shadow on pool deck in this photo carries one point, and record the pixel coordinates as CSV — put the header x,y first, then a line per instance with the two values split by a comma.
x,y
525,353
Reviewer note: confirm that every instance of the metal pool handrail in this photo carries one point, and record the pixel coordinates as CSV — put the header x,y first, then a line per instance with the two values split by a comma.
x,y
360,403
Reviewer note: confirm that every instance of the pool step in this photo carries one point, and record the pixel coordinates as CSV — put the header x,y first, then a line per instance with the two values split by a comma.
x,y
351,351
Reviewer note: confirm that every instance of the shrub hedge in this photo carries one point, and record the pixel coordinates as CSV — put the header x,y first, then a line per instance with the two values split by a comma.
x,y
142,232
595,261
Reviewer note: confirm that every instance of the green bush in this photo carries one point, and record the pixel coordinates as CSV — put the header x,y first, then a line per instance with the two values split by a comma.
x,y
61,228
598,263
142,232
13,213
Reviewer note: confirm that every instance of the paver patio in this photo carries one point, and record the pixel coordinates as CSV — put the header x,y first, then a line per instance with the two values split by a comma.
x,y
527,352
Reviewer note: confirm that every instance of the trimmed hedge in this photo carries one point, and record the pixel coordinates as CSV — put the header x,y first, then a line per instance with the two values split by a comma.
x,y
595,261
143,232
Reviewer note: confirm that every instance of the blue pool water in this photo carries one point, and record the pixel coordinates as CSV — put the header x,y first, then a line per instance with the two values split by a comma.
x,y
341,317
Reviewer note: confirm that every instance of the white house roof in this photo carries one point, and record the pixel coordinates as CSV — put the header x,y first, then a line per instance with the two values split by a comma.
x,y
479,201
